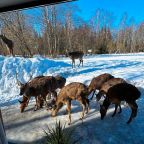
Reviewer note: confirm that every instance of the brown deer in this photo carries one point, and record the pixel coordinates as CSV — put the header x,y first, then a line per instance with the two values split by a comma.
x,y
39,87
73,91
97,82
76,55
121,92
9,44
105,87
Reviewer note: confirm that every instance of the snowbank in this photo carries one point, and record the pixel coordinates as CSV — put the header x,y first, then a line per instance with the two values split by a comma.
x,y
25,67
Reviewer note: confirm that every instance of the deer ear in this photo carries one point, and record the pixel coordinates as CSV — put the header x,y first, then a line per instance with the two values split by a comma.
x,y
19,83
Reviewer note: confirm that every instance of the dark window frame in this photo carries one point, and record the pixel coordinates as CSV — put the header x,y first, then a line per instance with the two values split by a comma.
x,y
32,4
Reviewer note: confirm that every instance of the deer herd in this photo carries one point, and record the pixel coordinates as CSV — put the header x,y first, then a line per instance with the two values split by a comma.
x,y
113,90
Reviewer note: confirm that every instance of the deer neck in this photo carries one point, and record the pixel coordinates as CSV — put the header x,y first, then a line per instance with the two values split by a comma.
x,y
106,103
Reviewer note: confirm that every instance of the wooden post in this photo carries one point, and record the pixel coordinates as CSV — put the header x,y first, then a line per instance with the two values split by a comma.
x,y
3,139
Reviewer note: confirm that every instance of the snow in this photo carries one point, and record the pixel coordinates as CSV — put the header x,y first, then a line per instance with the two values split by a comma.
x,y
28,127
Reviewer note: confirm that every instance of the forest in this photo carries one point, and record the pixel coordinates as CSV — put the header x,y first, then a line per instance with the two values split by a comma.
x,y
54,30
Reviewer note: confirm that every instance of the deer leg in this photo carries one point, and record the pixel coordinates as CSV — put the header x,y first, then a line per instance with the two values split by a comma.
x,y
99,95
68,109
92,95
66,112
45,101
82,114
83,102
49,96
73,63
27,102
8,49
120,109
40,102
36,106
11,51
134,107
79,63
87,106
54,94
116,106
82,62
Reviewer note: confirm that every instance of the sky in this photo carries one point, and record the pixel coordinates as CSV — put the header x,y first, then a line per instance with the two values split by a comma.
x,y
134,8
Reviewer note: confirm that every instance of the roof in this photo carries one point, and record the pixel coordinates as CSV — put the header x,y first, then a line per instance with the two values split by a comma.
x,y
10,5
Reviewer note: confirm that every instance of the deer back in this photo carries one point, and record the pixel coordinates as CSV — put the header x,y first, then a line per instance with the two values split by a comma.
x,y
98,81
111,83
123,91
72,91
40,85
76,55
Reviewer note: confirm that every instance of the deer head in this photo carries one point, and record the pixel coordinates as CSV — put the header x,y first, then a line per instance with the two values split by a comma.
x,y
104,107
60,81
56,108
52,105
23,103
22,86
103,111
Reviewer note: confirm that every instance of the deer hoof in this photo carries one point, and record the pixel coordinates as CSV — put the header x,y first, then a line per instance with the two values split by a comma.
x,y
81,119
86,112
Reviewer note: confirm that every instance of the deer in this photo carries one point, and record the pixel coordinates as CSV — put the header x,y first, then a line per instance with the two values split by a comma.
x,y
76,55
9,44
121,92
73,91
105,87
25,100
97,82
39,87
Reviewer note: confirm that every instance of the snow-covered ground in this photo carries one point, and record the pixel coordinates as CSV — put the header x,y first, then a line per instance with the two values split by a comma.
x,y
28,127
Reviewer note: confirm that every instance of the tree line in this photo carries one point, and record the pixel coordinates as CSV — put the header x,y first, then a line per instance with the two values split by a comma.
x,y
54,30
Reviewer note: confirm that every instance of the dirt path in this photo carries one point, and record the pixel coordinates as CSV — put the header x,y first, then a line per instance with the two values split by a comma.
x,y
24,127
28,127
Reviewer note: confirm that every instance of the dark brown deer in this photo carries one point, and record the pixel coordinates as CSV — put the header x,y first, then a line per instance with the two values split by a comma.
x,y
97,82
105,87
60,81
73,91
76,55
9,44
121,92
39,87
